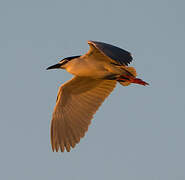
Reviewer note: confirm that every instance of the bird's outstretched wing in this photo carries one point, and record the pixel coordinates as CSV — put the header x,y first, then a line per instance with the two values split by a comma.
x,y
77,101
116,54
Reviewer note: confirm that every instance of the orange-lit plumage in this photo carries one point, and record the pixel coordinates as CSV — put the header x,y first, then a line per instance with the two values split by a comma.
x,y
95,76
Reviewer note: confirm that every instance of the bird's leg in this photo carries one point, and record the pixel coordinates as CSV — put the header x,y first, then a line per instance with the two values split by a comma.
x,y
123,78
112,77
131,79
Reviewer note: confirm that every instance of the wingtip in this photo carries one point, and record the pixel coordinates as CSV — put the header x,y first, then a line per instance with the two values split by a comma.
x,y
90,42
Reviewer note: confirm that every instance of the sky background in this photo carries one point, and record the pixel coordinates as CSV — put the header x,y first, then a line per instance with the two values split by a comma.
x,y
138,133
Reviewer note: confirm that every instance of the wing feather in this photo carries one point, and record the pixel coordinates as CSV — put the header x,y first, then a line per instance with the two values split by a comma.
x,y
77,101
109,52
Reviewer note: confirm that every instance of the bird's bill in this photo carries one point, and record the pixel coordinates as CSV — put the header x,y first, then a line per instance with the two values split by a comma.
x,y
56,66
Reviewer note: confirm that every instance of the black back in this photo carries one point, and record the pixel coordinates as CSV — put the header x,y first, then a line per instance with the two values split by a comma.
x,y
121,56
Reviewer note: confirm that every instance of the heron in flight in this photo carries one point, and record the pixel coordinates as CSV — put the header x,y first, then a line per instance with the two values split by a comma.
x,y
95,76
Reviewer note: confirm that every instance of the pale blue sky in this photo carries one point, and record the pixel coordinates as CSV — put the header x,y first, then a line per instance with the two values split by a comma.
x,y
138,133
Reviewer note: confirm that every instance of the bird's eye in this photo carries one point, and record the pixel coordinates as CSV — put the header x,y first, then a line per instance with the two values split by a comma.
x,y
63,61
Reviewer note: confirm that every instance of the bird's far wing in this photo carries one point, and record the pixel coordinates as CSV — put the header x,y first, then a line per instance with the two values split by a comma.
x,y
114,53
77,101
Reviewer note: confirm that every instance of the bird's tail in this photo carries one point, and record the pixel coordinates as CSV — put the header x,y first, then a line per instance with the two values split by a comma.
x,y
126,80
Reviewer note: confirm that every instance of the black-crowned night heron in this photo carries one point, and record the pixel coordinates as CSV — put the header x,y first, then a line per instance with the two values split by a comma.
x,y
96,74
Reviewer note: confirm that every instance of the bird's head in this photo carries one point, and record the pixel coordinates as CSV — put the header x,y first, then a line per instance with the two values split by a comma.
x,y
63,63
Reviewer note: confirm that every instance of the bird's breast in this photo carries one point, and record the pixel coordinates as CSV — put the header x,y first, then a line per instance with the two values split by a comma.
x,y
85,68
91,68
